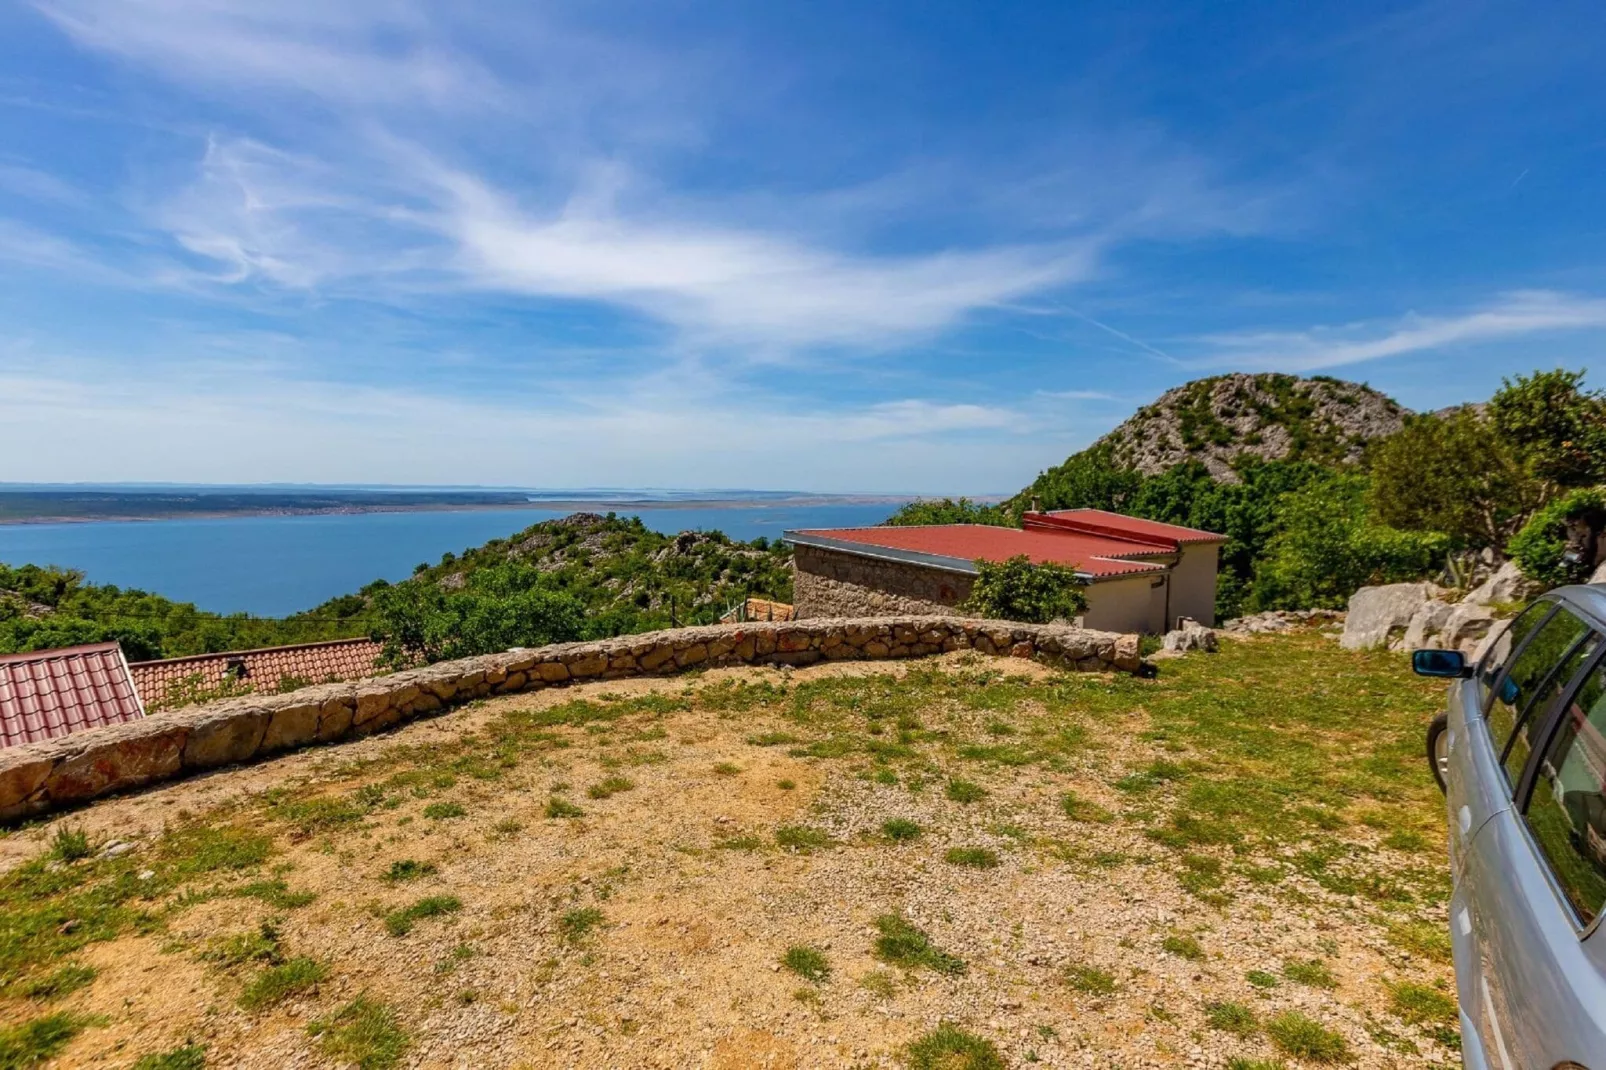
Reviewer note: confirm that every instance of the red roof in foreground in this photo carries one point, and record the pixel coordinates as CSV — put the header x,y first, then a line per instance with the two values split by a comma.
x,y
263,669
964,543
53,693
1134,526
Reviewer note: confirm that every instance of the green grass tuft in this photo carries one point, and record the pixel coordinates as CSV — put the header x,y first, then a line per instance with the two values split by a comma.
x,y
279,982
1305,1038
441,811
609,787
807,962
950,1048
1312,972
1090,980
975,857
408,869
363,1032
901,829
1232,1018
556,807
40,1039
1183,946
189,1057
68,978
69,845
1079,809
963,791
400,922
576,924
802,837
1261,979
903,944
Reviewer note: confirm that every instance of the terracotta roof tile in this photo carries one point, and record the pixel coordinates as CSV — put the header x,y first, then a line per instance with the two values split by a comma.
x,y
1098,556
266,669
53,693
1132,526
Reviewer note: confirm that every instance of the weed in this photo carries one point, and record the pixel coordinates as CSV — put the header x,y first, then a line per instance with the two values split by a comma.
x,y
556,807
442,811
609,787
807,962
33,1042
69,845
69,978
885,776
400,922
880,984
576,924
408,869
275,893
1090,980
771,739
1256,1064
259,945
963,791
189,1057
505,829
1425,1006
785,785
903,944
950,1048
1183,946
802,837
1305,1038
901,829
1431,940
458,955
726,768
1232,1018
1261,979
277,982
1312,972
744,842
363,1032
1079,809
975,857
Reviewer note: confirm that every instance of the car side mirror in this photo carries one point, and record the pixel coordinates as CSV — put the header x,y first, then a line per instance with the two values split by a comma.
x,y
1450,663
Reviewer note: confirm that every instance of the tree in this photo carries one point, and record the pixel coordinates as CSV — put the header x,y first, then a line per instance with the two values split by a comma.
x,y
1456,474
496,608
947,511
1016,589
1561,542
1087,480
1556,428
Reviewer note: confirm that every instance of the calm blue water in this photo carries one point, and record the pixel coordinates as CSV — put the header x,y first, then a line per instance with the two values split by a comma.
x,y
276,565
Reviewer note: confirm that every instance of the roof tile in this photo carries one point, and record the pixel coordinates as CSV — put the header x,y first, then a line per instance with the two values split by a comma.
x,y
50,693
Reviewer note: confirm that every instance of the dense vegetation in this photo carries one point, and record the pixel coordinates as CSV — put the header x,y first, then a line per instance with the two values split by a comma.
x,y
1519,475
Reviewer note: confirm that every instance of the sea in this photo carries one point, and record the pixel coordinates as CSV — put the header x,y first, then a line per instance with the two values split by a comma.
x,y
272,566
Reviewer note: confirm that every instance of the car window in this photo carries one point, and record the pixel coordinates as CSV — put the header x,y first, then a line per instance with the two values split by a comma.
x,y
1529,677
1567,813
1510,638
1532,719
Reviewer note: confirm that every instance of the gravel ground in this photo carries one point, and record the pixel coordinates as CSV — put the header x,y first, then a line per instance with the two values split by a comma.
x,y
1085,945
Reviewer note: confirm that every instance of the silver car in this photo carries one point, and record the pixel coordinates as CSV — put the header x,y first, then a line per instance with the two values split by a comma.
x,y
1521,755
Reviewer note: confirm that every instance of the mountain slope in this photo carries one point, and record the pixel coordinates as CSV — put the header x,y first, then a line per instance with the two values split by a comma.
x,y
1272,417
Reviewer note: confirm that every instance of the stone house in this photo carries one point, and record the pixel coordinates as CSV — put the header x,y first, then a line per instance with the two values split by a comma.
x,y
1141,575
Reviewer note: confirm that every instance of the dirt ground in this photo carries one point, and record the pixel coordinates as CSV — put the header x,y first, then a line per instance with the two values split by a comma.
x,y
649,930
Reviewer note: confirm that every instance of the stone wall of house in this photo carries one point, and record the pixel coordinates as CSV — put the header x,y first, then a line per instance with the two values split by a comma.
x,y
826,583
38,777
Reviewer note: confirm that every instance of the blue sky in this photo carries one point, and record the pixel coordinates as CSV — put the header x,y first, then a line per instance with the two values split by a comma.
x,y
930,247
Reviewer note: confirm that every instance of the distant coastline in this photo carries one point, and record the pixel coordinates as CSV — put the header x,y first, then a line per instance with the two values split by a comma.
x,y
69,507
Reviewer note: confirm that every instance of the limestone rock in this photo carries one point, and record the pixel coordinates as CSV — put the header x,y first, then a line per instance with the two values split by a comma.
x,y
1191,636
1508,584
1465,627
1425,625
1376,614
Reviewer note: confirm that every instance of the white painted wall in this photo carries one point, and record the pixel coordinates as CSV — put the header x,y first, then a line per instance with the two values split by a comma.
x,y
1120,605
1193,584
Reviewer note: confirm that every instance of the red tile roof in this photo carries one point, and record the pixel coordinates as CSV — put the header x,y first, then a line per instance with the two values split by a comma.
x,y
1102,521
262,670
958,545
53,693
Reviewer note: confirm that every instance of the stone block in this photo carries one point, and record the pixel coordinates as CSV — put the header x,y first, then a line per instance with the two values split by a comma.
x,y
117,761
654,659
292,726
371,702
695,654
334,719
232,736
553,671
19,779
588,665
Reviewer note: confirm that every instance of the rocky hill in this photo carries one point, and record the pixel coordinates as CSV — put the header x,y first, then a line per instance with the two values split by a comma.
x,y
1273,417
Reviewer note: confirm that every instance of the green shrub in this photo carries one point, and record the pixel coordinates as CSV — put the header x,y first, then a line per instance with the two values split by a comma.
x,y
69,845
1540,548
1017,589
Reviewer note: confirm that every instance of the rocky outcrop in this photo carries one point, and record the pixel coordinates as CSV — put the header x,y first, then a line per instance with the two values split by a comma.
x,y
1380,616
1274,417
1507,585
1281,620
74,769
1191,636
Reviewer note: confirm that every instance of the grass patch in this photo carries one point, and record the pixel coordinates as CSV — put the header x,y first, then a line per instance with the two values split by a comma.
x,y
577,924
1305,1038
556,807
408,869
786,785
1183,946
726,769
1427,1007
901,829
259,945
903,944
1232,1018
950,1048
1429,939
963,791
1079,809
363,1032
444,811
975,857
1262,979
807,962
189,1057
276,983
771,739
1312,972
802,837
69,978
33,1042
608,787
400,922
69,845
1090,980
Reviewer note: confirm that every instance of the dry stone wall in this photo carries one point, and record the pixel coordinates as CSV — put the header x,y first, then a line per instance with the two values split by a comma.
x,y
38,777
830,584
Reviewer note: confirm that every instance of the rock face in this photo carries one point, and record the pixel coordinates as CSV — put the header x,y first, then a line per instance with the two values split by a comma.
x,y
36,777
1508,584
1273,417
1191,636
1281,620
1379,616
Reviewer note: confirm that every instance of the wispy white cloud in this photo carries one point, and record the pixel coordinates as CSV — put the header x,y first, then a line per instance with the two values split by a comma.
x,y
1510,315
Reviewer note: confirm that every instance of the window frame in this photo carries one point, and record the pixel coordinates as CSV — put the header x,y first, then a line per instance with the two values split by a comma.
x,y
1546,734
1540,720
1488,700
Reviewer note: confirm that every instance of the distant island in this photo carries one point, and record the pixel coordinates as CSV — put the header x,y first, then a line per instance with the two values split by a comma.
x,y
55,503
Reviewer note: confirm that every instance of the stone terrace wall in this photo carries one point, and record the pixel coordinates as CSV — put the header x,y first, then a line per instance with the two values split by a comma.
x,y
827,583
38,777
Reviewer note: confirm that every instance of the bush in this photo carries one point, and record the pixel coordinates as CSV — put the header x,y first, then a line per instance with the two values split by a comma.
x,y
947,511
1019,590
497,607
1556,545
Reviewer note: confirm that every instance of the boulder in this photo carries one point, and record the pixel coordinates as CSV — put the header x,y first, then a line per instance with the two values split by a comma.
x,y
1466,627
1191,636
1425,624
1508,584
1378,615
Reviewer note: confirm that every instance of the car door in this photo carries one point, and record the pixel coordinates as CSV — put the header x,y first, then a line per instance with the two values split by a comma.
x,y
1529,892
